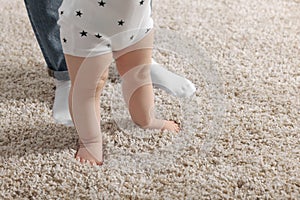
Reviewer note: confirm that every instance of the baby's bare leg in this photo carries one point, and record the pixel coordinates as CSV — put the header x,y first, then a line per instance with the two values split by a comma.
x,y
134,65
88,76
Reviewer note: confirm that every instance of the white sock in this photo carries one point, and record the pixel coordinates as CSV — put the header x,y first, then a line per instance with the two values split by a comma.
x,y
170,82
61,112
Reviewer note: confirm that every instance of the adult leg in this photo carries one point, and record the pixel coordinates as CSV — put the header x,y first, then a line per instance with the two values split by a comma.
x,y
88,76
43,16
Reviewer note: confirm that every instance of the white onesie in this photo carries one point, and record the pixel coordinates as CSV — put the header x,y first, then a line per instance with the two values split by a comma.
x,y
96,27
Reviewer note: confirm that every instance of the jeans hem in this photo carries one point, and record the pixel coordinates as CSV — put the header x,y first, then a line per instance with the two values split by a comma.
x,y
59,75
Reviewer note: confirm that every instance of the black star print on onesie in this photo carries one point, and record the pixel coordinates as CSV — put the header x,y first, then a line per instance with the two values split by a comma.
x,y
101,3
79,13
83,33
148,29
65,40
142,2
98,36
121,22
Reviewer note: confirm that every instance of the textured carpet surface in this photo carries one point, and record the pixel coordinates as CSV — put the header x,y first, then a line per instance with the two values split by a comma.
x,y
241,131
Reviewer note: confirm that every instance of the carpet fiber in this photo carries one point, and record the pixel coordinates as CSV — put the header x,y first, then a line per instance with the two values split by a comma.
x,y
240,135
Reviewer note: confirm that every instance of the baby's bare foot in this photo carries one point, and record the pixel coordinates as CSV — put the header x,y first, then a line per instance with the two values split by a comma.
x,y
171,126
84,156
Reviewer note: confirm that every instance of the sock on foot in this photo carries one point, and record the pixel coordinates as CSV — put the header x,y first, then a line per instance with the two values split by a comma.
x,y
61,112
171,82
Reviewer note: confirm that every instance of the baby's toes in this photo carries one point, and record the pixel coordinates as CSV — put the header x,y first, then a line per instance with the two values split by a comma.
x,y
93,163
82,160
99,163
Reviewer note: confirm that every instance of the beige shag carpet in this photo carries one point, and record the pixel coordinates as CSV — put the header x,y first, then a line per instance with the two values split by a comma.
x,y
241,131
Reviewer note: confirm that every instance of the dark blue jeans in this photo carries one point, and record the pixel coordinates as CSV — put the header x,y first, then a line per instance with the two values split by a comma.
x,y
43,15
